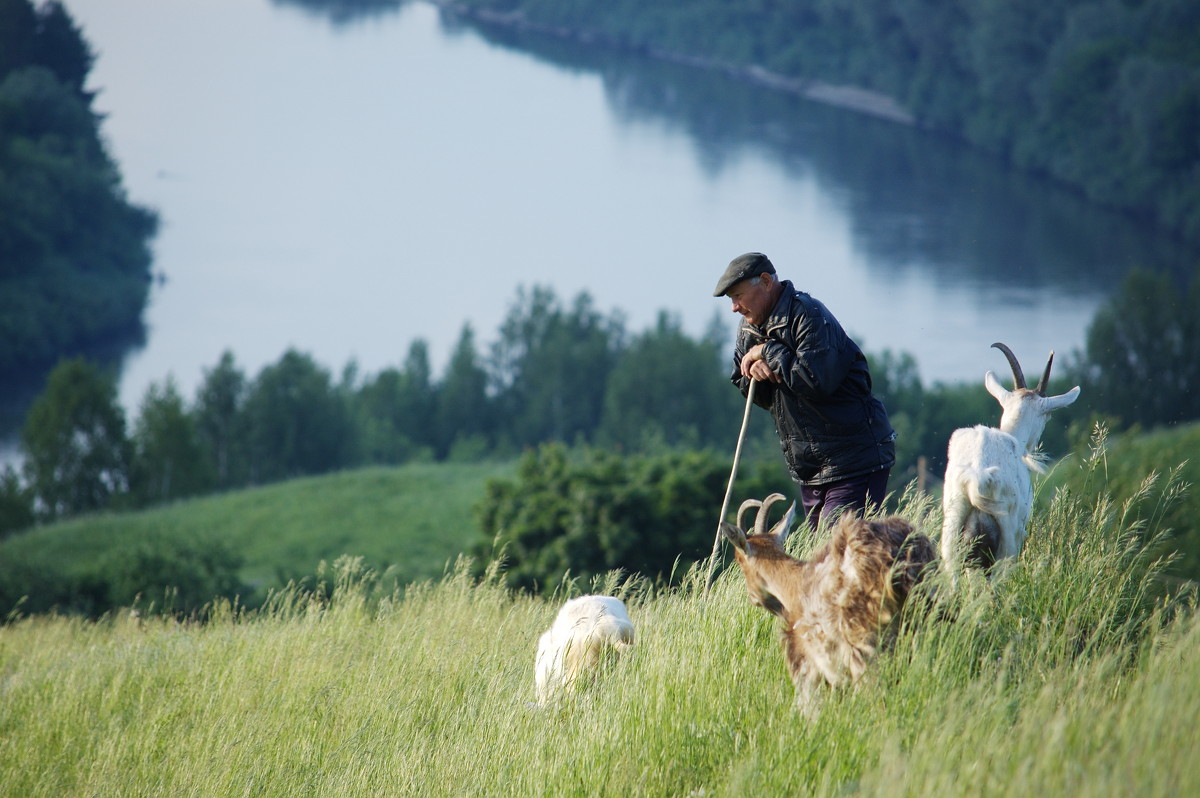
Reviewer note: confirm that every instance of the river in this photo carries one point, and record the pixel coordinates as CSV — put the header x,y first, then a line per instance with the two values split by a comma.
x,y
345,187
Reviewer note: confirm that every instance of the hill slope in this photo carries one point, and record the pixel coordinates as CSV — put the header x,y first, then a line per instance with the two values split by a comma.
x,y
1060,678
414,518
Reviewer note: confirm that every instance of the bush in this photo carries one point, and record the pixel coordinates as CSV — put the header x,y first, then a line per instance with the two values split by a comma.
x,y
158,573
586,512
171,574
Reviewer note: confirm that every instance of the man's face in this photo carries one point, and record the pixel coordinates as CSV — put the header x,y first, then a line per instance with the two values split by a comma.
x,y
752,298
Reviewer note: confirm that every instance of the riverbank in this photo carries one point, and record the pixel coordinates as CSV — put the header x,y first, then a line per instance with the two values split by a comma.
x,y
853,98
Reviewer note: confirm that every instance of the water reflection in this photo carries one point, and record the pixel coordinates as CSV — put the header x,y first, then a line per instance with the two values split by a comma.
x,y
342,13
912,200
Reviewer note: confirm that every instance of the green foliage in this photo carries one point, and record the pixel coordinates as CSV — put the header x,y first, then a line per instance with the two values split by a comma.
x,y
549,366
659,390
16,503
296,424
463,411
219,421
395,410
76,451
1157,470
581,513
1142,360
158,571
59,45
668,389
168,458
74,253
18,26
169,573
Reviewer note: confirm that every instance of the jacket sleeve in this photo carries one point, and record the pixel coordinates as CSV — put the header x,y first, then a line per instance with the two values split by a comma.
x,y
764,392
813,363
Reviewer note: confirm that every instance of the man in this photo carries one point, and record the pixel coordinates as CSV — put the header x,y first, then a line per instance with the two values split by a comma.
x,y
835,434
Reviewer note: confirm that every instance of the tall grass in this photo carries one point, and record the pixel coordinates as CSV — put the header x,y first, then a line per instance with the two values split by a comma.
x,y
1119,466
1070,673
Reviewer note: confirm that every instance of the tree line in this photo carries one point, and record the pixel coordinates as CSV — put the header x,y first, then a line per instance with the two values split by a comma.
x,y
1103,95
556,372
74,252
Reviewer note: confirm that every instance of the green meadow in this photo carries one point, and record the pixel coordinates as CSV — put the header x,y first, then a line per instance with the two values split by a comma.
x,y
1073,672
413,520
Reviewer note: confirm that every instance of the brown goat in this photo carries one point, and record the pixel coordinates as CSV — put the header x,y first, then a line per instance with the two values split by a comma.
x,y
835,606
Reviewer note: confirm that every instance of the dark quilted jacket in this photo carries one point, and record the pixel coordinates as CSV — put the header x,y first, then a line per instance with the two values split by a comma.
x,y
830,425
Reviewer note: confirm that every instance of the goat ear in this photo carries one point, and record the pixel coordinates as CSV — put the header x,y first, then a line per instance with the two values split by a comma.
x,y
1062,400
995,388
734,535
783,528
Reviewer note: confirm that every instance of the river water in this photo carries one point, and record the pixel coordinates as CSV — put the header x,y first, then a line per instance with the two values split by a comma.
x,y
347,187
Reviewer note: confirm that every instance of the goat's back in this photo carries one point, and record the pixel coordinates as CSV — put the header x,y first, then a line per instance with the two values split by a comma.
x,y
979,447
886,556
986,495
857,584
583,630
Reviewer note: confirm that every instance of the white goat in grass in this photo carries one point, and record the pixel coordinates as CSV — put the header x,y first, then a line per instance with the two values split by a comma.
x,y
988,493
586,629
835,606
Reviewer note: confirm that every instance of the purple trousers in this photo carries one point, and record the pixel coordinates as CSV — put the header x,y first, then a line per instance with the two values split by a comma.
x,y
822,503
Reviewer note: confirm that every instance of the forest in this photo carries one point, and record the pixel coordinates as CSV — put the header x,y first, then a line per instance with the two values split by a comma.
x,y
557,371
1102,95
74,252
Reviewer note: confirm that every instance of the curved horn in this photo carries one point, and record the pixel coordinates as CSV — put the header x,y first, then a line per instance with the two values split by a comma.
x,y
1018,375
760,523
1044,382
746,505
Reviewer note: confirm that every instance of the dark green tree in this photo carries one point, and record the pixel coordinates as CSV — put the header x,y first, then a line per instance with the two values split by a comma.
x,y
416,396
463,415
394,411
897,383
379,425
16,503
168,458
296,422
1142,358
550,366
668,388
220,426
74,254
74,441
60,47
18,34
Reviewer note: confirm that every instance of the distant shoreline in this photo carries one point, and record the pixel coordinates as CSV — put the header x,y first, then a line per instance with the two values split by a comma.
x,y
854,98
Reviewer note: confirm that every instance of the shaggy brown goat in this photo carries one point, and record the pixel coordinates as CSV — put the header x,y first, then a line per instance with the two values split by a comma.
x,y
834,606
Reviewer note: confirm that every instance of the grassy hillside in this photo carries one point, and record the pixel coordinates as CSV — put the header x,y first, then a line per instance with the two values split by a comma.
x,y
1158,469
415,519
1061,677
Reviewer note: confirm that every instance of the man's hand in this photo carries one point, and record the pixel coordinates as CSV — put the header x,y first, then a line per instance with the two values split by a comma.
x,y
755,367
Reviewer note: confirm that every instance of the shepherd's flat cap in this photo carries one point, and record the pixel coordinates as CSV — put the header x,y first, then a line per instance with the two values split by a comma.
x,y
751,264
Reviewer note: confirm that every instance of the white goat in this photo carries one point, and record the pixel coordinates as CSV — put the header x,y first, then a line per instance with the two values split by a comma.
x,y
835,606
988,494
585,630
